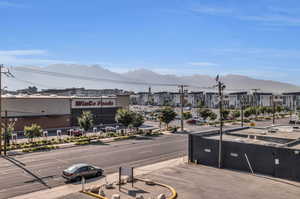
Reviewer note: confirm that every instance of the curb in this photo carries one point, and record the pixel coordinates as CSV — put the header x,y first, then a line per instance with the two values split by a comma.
x,y
93,194
72,145
174,193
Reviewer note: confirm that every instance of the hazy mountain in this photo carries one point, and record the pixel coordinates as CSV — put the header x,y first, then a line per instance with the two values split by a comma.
x,y
24,79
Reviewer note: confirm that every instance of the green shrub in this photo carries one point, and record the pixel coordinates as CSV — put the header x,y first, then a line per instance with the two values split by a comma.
x,y
40,148
124,137
82,142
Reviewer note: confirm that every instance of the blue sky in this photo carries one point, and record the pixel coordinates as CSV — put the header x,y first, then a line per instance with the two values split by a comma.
x,y
258,38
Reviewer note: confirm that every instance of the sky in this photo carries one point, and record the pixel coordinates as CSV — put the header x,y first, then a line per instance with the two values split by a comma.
x,y
257,38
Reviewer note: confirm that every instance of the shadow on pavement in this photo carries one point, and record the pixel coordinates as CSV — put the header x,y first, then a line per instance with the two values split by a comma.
x,y
21,165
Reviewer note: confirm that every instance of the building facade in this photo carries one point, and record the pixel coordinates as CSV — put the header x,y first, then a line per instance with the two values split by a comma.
x,y
52,112
291,100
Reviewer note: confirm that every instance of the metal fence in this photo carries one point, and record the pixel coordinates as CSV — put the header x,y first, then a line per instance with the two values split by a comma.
x,y
268,160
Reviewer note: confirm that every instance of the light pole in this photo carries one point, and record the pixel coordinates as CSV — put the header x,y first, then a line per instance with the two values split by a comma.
x,y
181,107
273,104
8,74
242,102
221,86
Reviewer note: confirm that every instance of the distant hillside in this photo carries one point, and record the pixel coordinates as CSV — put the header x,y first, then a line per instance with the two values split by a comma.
x,y
24,79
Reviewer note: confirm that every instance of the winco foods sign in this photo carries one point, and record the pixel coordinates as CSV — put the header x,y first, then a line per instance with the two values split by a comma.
x,y
93,103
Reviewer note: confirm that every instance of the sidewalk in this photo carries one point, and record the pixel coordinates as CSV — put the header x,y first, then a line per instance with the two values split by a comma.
x,y
72,144
67,189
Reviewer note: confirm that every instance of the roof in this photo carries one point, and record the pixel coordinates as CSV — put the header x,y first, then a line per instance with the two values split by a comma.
x,y
52,97
80,165
239,93
291,93
278,136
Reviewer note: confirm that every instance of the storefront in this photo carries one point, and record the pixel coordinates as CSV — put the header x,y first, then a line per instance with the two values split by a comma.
x,y
56,112
46,111
103,109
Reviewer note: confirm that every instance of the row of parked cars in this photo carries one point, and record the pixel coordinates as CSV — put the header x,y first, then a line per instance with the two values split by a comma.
x,y
196,121
80,132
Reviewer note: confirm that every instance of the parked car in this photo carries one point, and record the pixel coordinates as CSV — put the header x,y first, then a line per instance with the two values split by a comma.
x,y
191,121
77,171
110,129
196,121
78,132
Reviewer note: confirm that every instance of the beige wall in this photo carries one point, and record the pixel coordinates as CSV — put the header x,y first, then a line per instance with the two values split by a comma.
x,y
29,106
123,101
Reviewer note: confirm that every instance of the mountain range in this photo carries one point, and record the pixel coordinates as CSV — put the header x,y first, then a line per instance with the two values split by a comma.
x,y
97,77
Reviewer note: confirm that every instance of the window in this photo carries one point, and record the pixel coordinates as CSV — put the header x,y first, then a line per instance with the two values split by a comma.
x,y
82,169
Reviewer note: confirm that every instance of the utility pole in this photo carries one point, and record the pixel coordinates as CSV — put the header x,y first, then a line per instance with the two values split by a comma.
x,y
5,134
8,74
273,104
242,102
149,96
1,66
221,87
182,103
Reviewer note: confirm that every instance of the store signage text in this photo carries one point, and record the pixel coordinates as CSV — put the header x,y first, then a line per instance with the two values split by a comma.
x,y
93,103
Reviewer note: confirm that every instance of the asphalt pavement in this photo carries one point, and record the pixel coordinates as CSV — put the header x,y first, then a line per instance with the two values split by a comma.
x,y
36,171
41,170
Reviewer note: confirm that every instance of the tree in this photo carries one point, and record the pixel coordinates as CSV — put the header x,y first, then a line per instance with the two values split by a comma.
x,y
10,130
32,131
235,114
166,115
213,116
124,117
247,113
187,115
269,110
137,120
201,104
225,113
204,113
85,121
263,110
279,109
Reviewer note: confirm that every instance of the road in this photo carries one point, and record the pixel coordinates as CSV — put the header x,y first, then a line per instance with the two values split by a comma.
x,y
36,171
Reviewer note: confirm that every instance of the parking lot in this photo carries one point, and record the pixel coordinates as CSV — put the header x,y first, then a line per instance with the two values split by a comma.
x,y
201,182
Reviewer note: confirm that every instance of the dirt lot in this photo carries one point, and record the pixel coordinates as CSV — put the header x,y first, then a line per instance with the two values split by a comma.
x,y
201,182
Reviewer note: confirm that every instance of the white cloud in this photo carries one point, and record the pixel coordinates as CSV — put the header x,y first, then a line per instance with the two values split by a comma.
x,y
202,64
211,10
274,19
22,52
16,57
262,52
7,4
270,16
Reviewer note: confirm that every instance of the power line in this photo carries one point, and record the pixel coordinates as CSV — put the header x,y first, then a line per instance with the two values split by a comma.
x,y
64,75
33,83
95,79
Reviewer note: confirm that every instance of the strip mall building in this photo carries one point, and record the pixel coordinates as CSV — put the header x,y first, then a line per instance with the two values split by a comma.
x,y
53,112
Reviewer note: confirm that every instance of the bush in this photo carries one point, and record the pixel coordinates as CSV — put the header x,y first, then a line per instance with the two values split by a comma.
x,y
40,148
82,142
125,137
173,129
